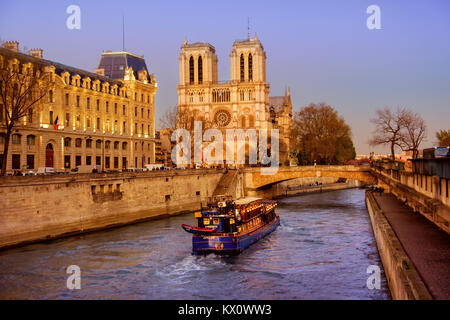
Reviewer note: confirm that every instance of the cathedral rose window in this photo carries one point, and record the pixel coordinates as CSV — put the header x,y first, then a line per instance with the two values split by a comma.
x,y
222,118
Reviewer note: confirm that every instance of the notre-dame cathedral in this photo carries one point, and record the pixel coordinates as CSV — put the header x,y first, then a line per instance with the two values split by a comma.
x,y
243,102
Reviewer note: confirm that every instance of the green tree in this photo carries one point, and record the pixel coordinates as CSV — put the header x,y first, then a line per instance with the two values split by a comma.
x,y
443,137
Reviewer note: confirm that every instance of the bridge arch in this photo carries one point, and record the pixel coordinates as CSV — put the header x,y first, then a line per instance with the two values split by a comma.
x,y
255,180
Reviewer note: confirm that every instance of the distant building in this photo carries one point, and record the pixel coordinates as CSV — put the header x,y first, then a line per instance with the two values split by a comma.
x,y
164,147
104,118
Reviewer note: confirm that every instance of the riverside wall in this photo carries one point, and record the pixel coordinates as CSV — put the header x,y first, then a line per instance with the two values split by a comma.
x,y
35,208
403,279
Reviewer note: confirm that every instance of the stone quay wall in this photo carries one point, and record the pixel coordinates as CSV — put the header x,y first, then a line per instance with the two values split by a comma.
x,y
403,279
35,208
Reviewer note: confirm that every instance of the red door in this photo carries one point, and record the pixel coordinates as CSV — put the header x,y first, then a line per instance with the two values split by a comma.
x,y
49,156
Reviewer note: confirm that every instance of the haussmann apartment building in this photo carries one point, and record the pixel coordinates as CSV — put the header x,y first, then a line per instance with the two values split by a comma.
x,y
105,118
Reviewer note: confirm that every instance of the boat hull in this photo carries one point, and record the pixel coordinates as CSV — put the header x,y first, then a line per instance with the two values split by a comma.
x,y
231,244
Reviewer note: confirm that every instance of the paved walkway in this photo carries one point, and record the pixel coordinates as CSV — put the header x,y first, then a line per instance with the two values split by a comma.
x,y
427,246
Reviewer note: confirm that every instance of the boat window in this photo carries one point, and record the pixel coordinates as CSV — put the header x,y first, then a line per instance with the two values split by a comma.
x,y
216,221
206,221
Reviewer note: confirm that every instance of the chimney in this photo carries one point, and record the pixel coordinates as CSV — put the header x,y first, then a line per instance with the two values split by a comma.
x,y
37,53
100,71
11,45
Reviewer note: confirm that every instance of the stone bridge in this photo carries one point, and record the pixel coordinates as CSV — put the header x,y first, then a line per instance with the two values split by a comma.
x,y
253,179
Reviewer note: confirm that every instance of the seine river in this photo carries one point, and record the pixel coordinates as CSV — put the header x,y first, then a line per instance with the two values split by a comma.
x,y
321,251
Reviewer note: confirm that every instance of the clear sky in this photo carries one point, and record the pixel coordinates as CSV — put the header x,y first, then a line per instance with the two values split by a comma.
x,y
321,49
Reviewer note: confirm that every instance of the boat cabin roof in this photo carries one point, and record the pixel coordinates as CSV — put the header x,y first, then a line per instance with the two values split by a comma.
x,y
246,200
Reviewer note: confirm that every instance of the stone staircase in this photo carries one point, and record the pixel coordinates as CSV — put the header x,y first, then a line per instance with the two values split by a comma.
x,y
226,184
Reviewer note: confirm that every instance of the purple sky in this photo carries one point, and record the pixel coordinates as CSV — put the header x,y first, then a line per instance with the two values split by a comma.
x,y
321,49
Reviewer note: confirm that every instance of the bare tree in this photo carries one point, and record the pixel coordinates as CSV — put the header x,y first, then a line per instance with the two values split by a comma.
x,y
169,118
415,132
22,86
389,127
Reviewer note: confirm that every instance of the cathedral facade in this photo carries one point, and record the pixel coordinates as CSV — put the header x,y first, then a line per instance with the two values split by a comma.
x,y
241,103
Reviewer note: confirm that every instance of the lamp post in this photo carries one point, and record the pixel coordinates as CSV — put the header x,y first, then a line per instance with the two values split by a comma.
x,y
103,153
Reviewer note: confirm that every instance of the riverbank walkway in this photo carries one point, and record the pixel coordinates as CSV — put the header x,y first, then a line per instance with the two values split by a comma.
x,y
427,246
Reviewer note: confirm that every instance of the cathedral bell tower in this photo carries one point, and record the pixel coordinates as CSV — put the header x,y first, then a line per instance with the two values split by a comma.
x,y
248,61
198,64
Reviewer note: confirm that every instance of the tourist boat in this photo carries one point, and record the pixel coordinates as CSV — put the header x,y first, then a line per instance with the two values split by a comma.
x,y
229,226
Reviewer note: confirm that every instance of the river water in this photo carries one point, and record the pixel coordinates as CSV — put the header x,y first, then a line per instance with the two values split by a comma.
x,y
321,250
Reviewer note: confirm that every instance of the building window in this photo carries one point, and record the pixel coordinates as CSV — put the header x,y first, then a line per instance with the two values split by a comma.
x,y
191,70
142,112
107,106
88,103
124,146
67,142
30,115
107,162
200,70
77,161
67,119
116,162
107,144
89,143
66,100
16,161
135,128
88,122
124,162
124,110
67,162
16,138
242,68
31,140
135,111
148,113
78,101
98,160
124,127
98,105
250,67
88,160
116,145
30,161
50,117
98,144
115,108
115,125
78,143
78,119
98,123
50,96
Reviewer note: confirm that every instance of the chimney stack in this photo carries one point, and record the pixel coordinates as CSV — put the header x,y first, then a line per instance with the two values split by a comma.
x,y
37,53
11,45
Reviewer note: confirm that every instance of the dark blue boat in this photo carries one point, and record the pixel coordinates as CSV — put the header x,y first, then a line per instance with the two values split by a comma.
x,y
228,227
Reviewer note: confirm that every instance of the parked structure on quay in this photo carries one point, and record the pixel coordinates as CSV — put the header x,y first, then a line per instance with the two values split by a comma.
x,y
104,118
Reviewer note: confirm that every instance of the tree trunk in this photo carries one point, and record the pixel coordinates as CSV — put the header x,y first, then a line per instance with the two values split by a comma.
x,y
5,150
393,151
